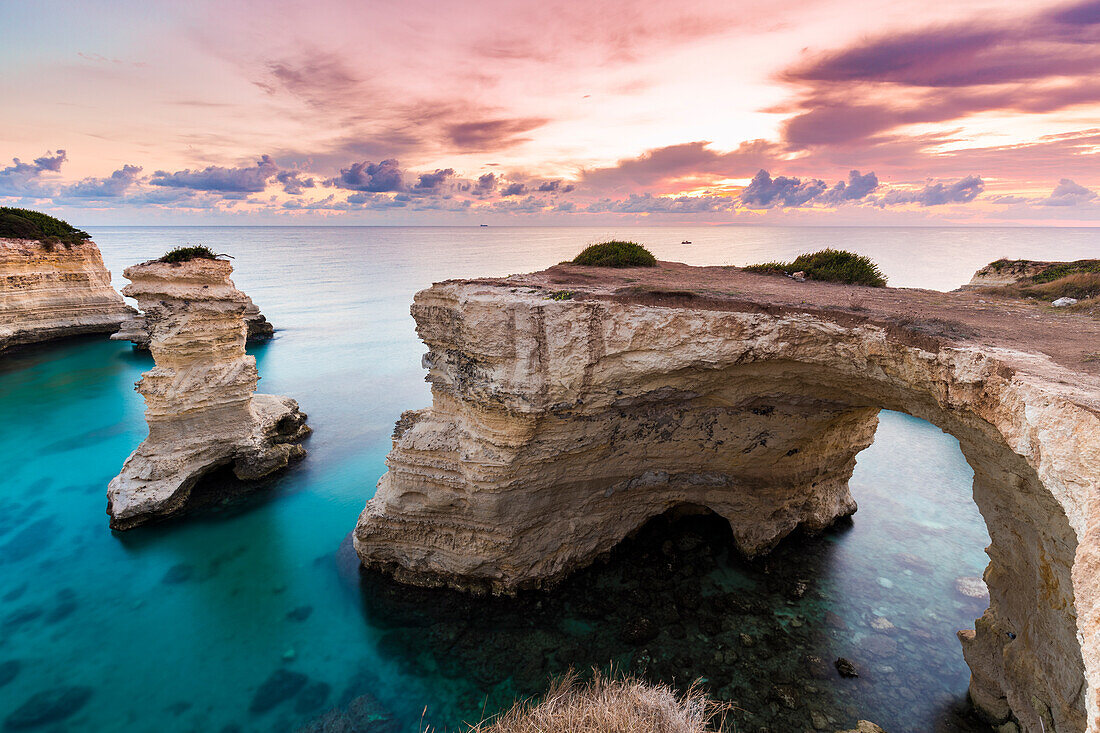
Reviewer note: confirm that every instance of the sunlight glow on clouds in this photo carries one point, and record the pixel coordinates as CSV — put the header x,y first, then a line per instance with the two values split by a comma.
x,y
501,110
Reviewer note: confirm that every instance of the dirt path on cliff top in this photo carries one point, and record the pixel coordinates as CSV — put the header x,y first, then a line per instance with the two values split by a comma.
x,y
1071,340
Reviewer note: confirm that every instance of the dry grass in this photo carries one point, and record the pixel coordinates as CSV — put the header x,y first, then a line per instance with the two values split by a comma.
x,y
609,705
1080,285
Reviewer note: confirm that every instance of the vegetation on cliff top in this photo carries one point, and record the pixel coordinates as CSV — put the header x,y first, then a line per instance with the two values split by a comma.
x,y
829,265
186,254
616,254
27,224
1079,279
605,705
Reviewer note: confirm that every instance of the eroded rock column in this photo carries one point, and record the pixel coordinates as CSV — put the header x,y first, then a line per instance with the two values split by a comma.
x,y
199,397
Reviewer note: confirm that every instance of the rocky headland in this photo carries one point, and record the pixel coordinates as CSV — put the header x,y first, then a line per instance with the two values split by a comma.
x,y
50,290
572,405
199,397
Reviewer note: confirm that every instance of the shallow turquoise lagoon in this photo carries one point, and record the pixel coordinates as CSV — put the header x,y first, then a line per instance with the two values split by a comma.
x,y
177,627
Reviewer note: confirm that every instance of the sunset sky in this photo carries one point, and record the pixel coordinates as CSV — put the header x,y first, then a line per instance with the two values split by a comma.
x,y
410,112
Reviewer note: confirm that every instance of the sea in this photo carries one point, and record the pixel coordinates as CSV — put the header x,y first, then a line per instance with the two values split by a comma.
x,y
253,615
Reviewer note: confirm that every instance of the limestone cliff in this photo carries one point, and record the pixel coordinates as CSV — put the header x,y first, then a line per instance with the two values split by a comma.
x,y
136,328
570,406
50,291
199,400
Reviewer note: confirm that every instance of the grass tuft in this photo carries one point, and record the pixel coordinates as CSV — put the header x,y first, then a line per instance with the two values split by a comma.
x,y
186,254
1081,285
828,265
616,254
27,224
606,705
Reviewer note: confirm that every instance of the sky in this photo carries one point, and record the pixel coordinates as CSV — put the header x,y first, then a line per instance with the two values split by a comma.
x,y
552,112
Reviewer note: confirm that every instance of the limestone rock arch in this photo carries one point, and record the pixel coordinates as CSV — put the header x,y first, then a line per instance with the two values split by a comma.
x,y
559,426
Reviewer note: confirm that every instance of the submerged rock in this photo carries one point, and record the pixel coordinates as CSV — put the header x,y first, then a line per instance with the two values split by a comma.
x,y
971,587
48,706
363,714
199,397
279,687
9,668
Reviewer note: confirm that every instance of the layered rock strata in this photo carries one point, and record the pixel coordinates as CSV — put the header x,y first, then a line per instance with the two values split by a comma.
x,y
136,328
50,291
570,406
199,397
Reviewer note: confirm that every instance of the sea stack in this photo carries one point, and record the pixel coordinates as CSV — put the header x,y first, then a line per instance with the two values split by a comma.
x,y
51,289
136,328
572,405
199,397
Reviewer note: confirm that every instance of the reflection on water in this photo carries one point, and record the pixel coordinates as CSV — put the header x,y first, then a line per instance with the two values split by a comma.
x,y
238,619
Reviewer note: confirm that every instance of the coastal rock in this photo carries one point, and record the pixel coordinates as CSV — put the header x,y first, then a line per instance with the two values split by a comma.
x,y
50,291
199,397
137,331
558,427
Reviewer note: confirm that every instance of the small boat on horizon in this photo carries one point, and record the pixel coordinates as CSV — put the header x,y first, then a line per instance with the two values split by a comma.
x,y
686,241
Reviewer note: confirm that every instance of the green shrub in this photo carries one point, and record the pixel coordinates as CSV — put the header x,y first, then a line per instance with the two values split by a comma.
x,y
1062,269
616,254
27,224
829,265
186,254
561,295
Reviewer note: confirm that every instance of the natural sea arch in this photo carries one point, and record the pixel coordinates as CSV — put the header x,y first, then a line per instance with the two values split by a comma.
x,y
558,428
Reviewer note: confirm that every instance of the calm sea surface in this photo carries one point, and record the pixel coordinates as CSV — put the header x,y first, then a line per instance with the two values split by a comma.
x,y
177,627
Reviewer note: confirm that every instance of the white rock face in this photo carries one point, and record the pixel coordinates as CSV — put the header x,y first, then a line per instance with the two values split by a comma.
x,y
1063,302
136,328
199,400
559,426
53,291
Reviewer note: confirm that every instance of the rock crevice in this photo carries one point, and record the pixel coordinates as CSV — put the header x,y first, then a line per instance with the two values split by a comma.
x,y
199,397
50,291
557,427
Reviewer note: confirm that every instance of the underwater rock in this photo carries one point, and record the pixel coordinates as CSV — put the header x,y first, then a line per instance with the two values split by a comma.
x,y
311,697
971,587
864,726
29,541
558,427
9,668
48,706
179,573
279,687
199,397
301,613
53,291
364,714
845,667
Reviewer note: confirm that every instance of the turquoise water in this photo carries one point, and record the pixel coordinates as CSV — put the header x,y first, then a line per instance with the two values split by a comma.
x,y
176,627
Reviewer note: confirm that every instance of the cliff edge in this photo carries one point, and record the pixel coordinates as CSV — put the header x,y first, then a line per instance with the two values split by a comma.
x,y
50,290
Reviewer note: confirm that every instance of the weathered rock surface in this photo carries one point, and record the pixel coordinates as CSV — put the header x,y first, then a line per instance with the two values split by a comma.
x,y
560,424
1005,272
50,291
136,329
199,400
